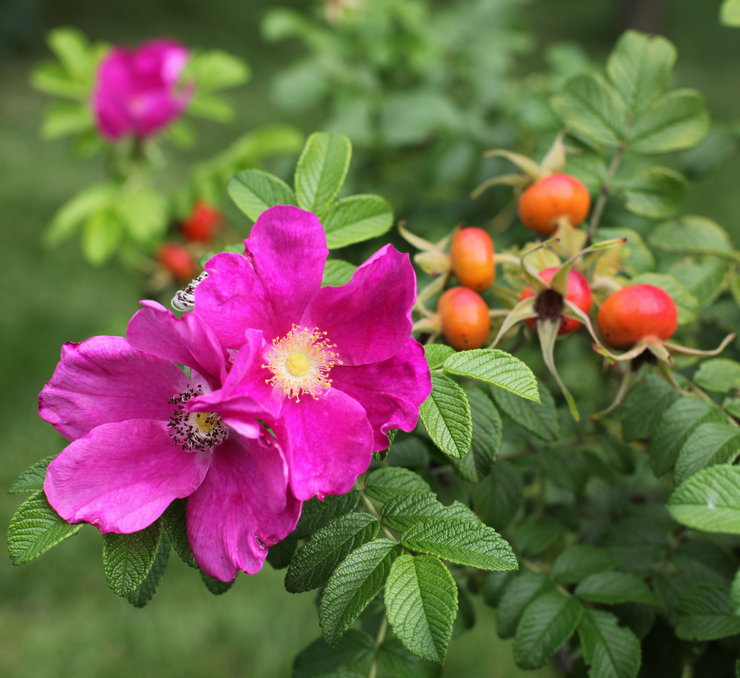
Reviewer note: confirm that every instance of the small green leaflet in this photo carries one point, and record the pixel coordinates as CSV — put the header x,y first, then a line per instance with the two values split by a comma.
x,y
128,558
389,482
611,588
316,559
707,445
216,586
461,541
487,437
515,599
421,604
611,650
321,170
32,479
337,272
709,500
446,416
541,418
499,495
719,375
355,219
150,585
497,368
35,528
351,587
545,626
704,613
644,406
254,191
692,235
405,510
174,523
577,562
401,663
653,192
316,514
319,659
436,354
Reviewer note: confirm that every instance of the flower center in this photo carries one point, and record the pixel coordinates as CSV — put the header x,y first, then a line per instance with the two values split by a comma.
x,y
301,361
195,431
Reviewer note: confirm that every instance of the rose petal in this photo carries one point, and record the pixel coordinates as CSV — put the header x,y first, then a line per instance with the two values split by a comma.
x,y
390,391
103,380
122,476
243,506
369,318
328,441
288,250
186,340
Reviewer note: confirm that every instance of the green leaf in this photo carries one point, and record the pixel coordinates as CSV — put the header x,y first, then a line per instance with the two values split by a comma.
x,y
150,585
705,277
319,659
636,255
73,51
175,524
676,121
729,15
316,559
691,235
611,588
674,428
732,407
592,107
545,626
210,107
436,354
254,191
640,67
446,416
355,219
579,561
405,510
709,500
391,481
128,558
719,375
704,613
534,535
611,650
495,367
515,599
499,495
216,586
687,304
71,215
487,436
337,272
357,580
321,170
707,445
653,192
315,514
280,554
401,663
101,236
541,419
215,70
644,407
421,605
144,213
35,528
51,78
66,118
32,479
461,541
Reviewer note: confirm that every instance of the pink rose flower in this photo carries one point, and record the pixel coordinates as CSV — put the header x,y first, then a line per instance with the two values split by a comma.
x,y
340,359
138,443
138,90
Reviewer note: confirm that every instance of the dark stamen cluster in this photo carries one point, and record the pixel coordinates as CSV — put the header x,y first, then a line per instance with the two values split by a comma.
x,y
185,429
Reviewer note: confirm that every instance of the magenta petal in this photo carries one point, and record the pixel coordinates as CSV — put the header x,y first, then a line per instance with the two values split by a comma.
x,y
122,476
186,340
232,299
243,506
390,391
288,248
369,318
104,379
329,442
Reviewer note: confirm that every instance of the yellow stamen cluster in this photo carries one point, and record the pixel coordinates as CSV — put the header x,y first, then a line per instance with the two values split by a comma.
x,y
300,362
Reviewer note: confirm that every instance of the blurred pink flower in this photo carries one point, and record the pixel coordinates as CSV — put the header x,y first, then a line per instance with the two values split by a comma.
x,y
138,91
138,443
341,359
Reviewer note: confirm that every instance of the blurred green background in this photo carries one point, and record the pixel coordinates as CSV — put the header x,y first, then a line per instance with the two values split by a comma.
x,y
57,617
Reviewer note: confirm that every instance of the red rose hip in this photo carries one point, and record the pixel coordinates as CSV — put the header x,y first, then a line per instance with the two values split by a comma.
x,y
203,222
177,260
471,258
551,198
464,318
636,313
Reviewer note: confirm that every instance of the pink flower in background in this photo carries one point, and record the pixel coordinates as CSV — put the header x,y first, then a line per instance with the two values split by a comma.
x,y
341,359
138,91
138,443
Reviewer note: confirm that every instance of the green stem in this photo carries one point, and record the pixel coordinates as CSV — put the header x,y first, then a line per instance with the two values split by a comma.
x,y
378,642
374,513
604,192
